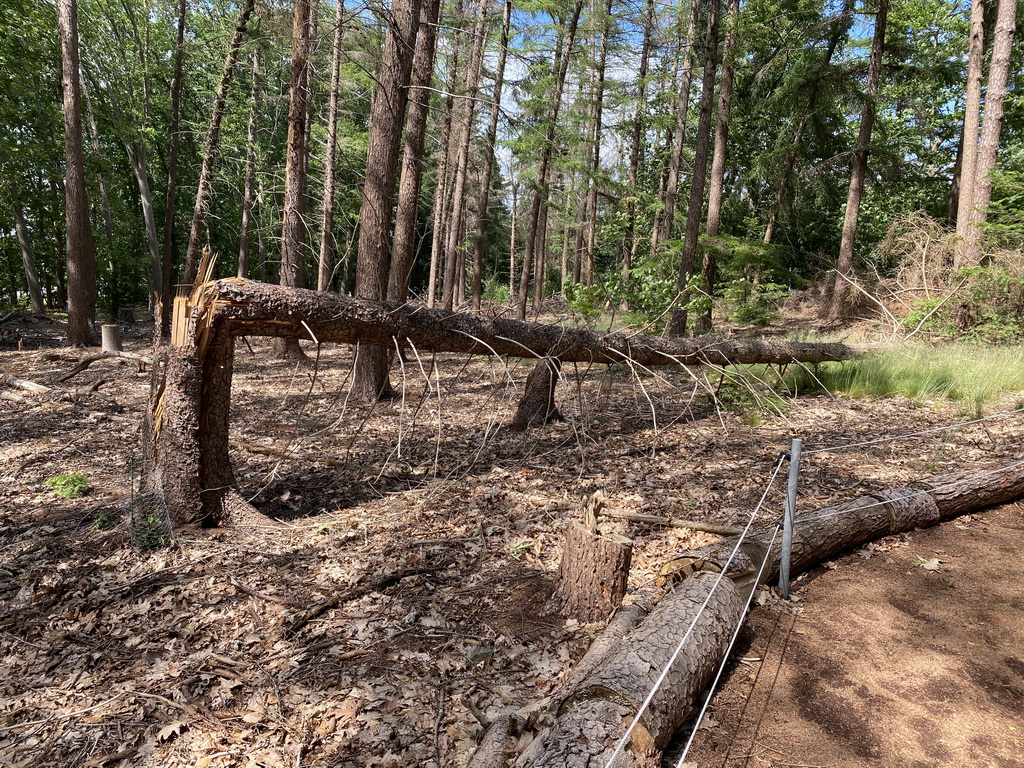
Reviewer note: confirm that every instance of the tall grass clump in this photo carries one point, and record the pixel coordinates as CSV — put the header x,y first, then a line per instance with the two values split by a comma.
x,y
973,375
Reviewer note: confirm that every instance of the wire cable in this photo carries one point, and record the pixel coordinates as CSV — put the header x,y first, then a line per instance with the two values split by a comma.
x,y
682,643
911,495
913,434
728,651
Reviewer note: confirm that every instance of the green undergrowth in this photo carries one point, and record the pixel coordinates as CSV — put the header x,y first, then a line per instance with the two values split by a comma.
x,y
968,374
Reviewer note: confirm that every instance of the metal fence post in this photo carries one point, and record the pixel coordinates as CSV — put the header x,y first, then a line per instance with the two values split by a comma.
x,y
790,512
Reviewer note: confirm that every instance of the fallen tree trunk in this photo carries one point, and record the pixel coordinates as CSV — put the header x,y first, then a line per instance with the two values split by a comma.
x,y
593,713
186,442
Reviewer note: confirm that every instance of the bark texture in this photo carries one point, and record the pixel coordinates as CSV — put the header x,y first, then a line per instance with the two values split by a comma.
x,y
537,405
593,718
988,147
211,143
193,383
593,573
293,228
81,250
964,180
387,116
859,168
700,167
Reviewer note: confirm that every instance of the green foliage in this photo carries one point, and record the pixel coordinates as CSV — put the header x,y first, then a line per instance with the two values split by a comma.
x,y
106,519
989,307
149,529
964,373
753,304
69,485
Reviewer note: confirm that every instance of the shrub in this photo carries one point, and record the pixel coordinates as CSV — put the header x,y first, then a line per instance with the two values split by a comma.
x,y
69,485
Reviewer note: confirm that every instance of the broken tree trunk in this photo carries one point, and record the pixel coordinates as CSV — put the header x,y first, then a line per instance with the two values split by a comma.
x,y
537,406
187,440
594,572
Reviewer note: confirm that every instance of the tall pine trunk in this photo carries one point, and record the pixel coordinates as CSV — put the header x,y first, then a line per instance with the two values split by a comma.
x,y
480,246
595,159
972,122
700,167
988,148
81,250
844,265
465,113
248,191
403,250
717,187
328,247
293,227
664,231
387,115
211,143
442,186
533,258
163,313
35,293
631,241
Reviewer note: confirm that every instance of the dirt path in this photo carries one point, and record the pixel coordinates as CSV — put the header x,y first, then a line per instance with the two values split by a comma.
x,y
884,661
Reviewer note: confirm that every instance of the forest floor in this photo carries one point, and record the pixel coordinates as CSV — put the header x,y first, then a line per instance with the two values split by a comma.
x,y
903,653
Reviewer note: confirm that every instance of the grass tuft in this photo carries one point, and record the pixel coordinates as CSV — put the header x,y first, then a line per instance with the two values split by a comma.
x,y
972,375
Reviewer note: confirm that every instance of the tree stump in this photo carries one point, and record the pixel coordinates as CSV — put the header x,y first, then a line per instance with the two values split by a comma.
x,y
537,407
593,574
111,337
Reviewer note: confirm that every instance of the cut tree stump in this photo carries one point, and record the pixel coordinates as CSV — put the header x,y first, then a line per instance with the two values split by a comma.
x,y
111,337
594,572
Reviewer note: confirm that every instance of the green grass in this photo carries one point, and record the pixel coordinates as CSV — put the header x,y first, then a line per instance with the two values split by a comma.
x,y
973,375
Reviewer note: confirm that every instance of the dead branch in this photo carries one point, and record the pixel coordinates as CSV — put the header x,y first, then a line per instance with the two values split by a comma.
x,y
88,360
29,386
358,591
696,525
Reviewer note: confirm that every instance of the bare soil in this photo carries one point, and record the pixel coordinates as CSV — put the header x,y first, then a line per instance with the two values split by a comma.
x,y
181,655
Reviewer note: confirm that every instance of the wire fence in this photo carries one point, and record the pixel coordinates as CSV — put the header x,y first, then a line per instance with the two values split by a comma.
x,y
620,745
693,623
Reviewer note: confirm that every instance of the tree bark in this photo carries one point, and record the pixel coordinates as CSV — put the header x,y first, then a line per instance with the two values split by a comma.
x,y
328,246
248,191
403,251
534,236
859,168
537,405
595,160
972,121
81,250
700,167
465,113
35,293
163,311
483,203
441,187
293,228
988,148
716,190
211,144
593,573
370,378
664,231
632,242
